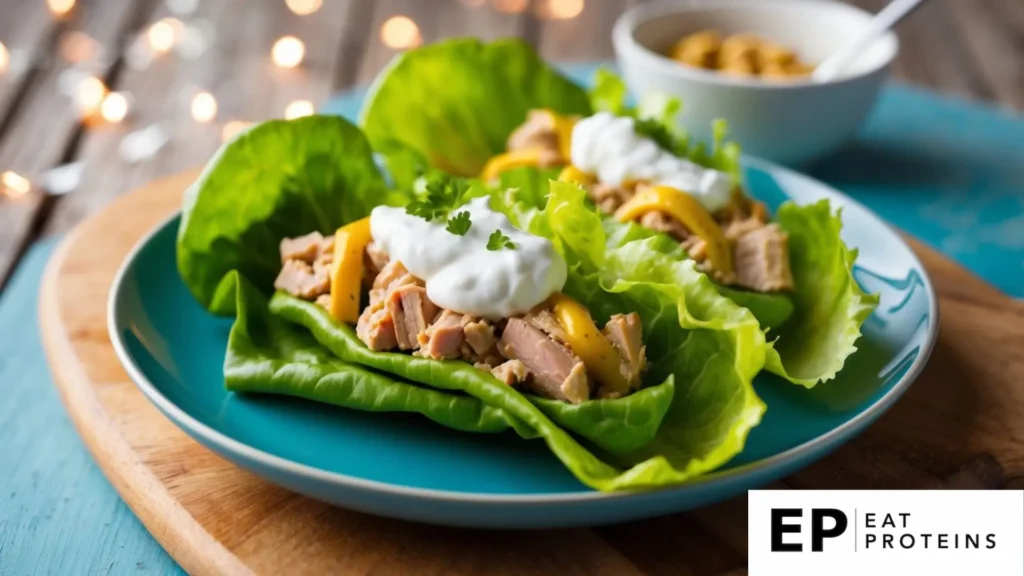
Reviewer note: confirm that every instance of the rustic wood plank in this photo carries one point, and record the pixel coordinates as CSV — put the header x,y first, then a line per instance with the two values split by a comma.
x,y
993,32
45,128
27,31
237,70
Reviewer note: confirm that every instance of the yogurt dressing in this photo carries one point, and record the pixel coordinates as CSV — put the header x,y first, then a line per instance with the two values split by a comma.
x,y
608,145
461,273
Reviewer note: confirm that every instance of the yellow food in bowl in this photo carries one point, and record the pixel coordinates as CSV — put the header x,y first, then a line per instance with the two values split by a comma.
x,y
739,55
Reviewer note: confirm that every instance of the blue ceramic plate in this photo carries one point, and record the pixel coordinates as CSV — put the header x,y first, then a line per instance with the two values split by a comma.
x,y
405,466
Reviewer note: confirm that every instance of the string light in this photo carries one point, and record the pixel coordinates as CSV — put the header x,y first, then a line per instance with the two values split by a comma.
x,y
304,7
5,58
232,128
510,6
298,109
114,107
164,34
560,9
204,107
60,7
288,52
15,185
400,32
89,93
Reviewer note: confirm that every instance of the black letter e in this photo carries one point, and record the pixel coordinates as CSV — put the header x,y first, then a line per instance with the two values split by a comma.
x,y
779,528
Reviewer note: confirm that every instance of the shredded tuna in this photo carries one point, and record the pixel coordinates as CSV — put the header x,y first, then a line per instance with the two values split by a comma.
x,y
543,319
444,338
538,131
737,228
480,335
609,198
511,372
555,372
661,222
626,335
375,259
376,328
305,248
324,301
576,386
300,279
762,260
411,309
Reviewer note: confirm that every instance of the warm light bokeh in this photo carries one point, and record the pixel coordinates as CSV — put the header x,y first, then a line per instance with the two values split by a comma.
x,y
288,52
232,128
114,107
5,58
560,9
164,34
14,184
510,6
77,46
89,93
298,109
400,33
474,3
304,7
204,107
60,7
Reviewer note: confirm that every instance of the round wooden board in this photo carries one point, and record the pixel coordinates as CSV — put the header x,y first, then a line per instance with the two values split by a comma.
x,y
960,425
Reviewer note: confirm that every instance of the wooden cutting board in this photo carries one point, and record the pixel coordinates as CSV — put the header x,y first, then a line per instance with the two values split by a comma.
x,y
961,425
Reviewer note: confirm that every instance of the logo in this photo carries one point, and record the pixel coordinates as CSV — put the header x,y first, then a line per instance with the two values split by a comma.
x,y
794,532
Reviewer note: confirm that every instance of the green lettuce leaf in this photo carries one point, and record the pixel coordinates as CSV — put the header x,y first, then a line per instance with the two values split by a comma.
x,y
457,101
617,426
830,307
279,179
269,355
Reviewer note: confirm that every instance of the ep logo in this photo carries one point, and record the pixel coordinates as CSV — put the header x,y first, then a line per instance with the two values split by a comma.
x,y
824,523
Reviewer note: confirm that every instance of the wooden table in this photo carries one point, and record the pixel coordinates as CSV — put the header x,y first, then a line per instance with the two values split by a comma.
x,y
968,48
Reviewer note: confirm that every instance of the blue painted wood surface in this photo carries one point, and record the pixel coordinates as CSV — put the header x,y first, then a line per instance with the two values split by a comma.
x,y
58,513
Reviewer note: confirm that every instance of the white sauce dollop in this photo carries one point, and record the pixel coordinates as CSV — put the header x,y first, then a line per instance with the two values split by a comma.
x,y
608,145
461,273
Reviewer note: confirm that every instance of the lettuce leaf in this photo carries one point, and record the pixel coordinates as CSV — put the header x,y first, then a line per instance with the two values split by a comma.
x,y
457,101
830,307
617,426
266,354
281,178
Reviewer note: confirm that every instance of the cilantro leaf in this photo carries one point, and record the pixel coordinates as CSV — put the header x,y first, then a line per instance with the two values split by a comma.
x,y
497,240
442,195
459,224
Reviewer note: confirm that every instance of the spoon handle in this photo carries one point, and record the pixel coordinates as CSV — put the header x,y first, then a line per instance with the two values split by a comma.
x,y
885,19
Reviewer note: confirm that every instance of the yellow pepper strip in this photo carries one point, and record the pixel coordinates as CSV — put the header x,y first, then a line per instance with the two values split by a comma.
x,y
573,174
563,127
347,275
689,212
509,161
601,359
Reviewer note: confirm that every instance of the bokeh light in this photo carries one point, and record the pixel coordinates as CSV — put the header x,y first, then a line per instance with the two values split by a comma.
x,y
288,52
5,58
89,94
204,107
298,109
304,7
400,33
14,184
560,9
164,34
77,47
510,6
114,107
474,3
60,7
232,128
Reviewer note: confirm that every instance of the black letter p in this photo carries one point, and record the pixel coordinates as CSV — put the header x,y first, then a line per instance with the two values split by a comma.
x,y
818,532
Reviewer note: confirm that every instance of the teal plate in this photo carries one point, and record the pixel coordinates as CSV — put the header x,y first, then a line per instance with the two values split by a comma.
x,y
405,466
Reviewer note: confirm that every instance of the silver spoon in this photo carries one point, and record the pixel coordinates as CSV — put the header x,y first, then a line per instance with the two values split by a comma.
x,y
885,19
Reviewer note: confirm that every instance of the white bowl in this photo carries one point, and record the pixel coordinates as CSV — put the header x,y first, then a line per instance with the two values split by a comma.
x,y
790,122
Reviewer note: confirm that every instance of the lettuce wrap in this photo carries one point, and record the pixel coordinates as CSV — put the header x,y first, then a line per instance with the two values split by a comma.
x,y
452,104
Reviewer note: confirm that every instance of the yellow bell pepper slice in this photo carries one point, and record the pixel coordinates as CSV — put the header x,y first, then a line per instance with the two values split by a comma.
x,y
601,359
347,274
573,174
509,161
563,127
688,211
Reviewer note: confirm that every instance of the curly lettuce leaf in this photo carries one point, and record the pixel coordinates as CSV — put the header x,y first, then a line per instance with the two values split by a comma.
x,y
830,307
709,345
269,355
616,426
281,178
457,101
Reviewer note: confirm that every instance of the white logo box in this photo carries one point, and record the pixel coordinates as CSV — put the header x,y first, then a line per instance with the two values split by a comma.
x,y
933,532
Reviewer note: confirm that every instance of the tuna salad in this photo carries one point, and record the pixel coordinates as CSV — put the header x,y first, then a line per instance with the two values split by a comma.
x,y
467,287
629,175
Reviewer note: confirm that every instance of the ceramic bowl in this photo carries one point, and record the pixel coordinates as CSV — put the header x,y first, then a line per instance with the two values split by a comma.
x,y
791,122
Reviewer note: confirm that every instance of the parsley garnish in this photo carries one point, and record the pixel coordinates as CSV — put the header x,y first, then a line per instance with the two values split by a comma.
x,y
459,224
497,241
443,195
656,131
